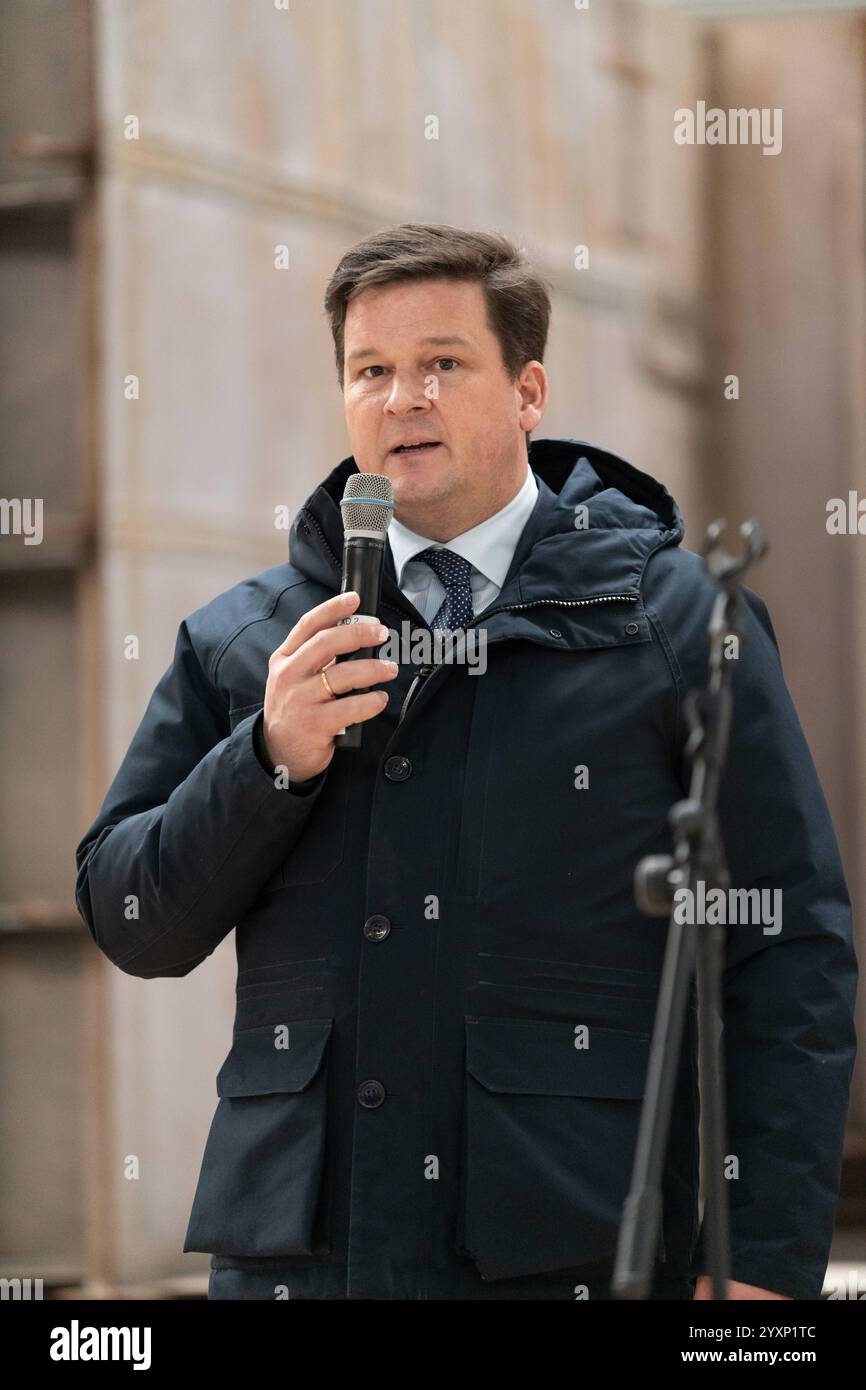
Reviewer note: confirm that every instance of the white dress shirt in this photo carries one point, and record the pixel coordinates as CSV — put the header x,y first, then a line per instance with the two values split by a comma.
x,y
489,547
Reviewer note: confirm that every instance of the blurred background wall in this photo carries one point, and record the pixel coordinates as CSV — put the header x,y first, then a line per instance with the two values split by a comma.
x,y
168,383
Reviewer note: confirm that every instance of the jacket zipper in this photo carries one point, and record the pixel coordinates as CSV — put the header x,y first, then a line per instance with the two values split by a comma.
x,y
424,672
560,602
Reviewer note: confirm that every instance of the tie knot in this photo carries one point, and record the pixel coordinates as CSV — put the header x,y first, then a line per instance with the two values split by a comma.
x,y
452,569
453,572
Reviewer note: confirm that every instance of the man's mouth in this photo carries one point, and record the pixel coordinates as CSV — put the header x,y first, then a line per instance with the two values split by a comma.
x,y
411,449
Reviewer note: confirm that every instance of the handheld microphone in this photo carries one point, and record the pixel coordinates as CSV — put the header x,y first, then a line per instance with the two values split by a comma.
x,y
367,507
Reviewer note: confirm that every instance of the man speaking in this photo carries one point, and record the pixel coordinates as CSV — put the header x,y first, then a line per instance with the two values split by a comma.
x,y
445,990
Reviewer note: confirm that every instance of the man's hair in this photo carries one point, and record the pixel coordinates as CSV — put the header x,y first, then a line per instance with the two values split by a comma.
x,y
518,303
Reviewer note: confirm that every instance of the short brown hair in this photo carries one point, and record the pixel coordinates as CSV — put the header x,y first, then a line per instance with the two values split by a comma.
x,y
518,303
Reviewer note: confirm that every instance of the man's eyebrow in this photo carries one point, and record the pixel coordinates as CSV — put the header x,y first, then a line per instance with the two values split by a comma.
x,y
452,341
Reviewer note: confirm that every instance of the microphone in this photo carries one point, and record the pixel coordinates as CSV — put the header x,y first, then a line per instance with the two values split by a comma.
x,y
367,507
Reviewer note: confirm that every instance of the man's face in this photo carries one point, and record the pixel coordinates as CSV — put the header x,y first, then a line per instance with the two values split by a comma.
x,y
421,364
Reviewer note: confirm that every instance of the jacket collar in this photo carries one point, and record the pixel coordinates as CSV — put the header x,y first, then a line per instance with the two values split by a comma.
x,y
596,522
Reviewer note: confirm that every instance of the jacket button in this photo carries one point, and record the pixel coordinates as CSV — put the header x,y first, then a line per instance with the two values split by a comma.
x,y
370,1094
377,927
397,769
632,629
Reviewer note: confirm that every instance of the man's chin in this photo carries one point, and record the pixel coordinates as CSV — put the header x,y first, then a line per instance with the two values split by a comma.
x,y
417,488
416,504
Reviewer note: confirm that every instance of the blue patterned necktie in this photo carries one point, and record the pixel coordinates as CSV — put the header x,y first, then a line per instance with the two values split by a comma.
x,y
453,571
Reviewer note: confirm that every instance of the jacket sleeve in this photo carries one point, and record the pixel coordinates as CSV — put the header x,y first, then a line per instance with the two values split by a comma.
x,y
789,987
191,829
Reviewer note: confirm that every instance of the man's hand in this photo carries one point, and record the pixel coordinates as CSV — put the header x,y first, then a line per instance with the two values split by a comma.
x,y
300,718
704,1289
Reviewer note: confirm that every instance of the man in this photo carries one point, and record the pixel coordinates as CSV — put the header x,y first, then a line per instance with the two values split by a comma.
x,y
445,989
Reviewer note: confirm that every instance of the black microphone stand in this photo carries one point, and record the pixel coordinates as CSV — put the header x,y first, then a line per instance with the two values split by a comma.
x,y
698,855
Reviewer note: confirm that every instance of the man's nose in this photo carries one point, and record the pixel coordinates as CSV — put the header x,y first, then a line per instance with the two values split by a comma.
x,y
407,393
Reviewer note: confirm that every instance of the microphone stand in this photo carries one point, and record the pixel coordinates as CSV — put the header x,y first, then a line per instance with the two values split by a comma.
x,y
698,855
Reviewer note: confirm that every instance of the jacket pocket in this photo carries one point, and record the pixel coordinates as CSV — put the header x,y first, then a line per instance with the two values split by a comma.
x,y
281,981
261,1189
549,1134
319,849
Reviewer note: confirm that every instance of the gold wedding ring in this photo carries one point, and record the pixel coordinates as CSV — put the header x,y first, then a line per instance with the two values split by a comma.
x,y
327,684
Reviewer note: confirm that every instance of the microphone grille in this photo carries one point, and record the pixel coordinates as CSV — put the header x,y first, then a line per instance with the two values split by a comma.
x,y
368,503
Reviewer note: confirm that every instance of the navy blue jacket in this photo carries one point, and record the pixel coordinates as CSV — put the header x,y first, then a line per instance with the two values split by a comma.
x,y
430,931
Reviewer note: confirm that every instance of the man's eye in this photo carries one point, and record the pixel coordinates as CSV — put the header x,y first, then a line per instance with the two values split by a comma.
x,y
451,362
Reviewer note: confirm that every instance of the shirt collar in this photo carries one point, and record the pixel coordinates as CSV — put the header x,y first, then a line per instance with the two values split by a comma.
x,y
489,546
